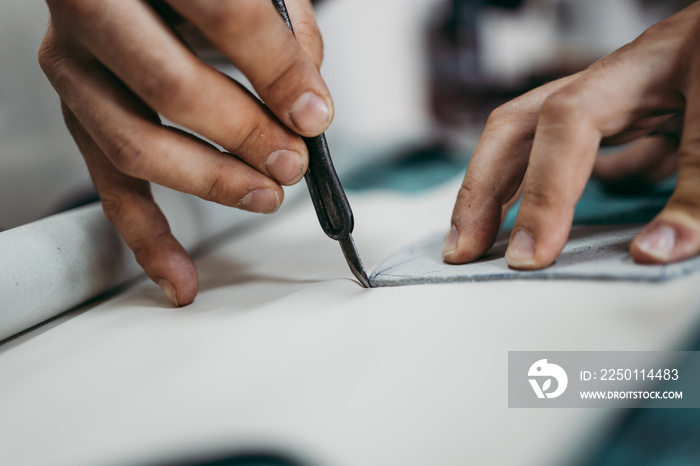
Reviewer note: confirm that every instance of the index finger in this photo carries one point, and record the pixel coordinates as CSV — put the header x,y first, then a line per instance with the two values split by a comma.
x,y
494,175
301,12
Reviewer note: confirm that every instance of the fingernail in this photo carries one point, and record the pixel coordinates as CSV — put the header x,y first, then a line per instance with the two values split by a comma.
x,y
285,166
658,241
169,290
263,200
450,242
521,250
310,113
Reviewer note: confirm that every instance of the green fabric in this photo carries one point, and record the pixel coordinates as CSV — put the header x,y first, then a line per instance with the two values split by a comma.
x,y
429,166
411,171
654,437
599,206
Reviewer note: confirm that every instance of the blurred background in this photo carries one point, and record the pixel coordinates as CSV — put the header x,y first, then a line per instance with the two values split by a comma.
x,y
40,168
407,76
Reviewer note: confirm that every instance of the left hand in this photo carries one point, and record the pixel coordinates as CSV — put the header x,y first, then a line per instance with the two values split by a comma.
x,y
544,144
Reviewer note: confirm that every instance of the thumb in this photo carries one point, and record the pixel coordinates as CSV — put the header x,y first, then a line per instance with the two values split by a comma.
x,y
674,234
301,12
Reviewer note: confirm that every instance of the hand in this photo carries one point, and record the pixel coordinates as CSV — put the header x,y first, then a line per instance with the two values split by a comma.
x,y
117,65
544,145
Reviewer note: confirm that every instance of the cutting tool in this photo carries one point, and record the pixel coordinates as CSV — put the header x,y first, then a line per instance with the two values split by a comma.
x,y
327,194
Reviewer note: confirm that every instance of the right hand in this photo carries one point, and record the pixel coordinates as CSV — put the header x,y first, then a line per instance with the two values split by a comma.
x,y
117,66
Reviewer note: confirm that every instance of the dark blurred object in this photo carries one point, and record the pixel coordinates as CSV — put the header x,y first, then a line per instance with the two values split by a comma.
x,y
462,91
512,4
252,458
483,53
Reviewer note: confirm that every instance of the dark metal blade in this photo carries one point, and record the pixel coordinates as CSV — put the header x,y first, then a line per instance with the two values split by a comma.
x,y
331,204
353,257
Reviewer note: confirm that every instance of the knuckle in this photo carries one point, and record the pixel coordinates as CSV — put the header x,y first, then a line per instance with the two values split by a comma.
x,y
539,199
279,77
167,87
475,195
563,107
686,203
308,29
217,188
232,18
473,188
498,187
512,116
58,67
689,150
127,211
686,196
313,44
48,55
111,206
502,112
245,137
146,246
464,202
517,106
120,208
51,55
689,154
126,156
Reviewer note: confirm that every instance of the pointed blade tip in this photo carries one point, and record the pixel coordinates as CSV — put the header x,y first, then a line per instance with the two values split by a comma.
x,y
353,259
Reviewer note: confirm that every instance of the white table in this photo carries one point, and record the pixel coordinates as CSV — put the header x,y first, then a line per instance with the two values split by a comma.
x,y
283,349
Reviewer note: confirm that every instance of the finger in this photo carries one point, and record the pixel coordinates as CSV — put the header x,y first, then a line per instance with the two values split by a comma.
x,y
301,12
646,161
254,37
137,46
494,175
674,234
130,136
128,205
571,125
552,187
